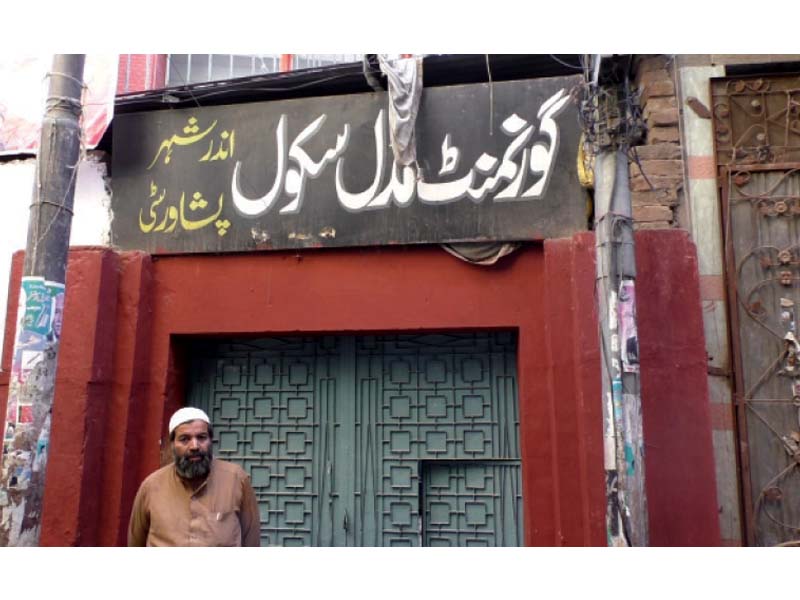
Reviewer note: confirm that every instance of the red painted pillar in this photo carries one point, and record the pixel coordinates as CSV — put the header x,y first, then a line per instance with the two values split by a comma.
x,y
125,414
286,62
10,324
680,474
573,371
679,460
73,491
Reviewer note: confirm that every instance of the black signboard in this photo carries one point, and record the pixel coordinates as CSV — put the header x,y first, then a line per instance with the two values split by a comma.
x,y
495,162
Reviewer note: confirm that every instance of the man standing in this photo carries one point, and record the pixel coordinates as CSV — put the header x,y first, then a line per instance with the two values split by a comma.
x,y
198,500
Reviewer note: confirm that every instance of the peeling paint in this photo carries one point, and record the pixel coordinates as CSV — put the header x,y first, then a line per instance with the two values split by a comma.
x,y
328,233
31,384
631,469
612,311
259,235
14,516
614,342
609,456
301,237
98,163
29,537
42,446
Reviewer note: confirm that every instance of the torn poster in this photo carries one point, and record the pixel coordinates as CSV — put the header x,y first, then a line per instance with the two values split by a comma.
x,y
628,334
39,317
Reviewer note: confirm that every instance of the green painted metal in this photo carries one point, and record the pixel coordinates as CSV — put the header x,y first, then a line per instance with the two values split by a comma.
x,y
472,504
348,440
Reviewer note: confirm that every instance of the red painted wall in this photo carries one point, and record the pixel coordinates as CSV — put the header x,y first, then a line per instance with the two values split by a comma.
x,y
129,318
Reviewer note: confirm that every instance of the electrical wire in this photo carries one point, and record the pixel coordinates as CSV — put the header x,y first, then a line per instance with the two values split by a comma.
x,y
635,155
228,89
491,97
566,64
610,118
174,66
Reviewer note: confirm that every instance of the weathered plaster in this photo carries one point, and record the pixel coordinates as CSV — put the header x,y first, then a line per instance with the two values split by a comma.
x,y
90,224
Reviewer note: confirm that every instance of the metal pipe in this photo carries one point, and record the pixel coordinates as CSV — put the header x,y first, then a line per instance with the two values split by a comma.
x,y
626,516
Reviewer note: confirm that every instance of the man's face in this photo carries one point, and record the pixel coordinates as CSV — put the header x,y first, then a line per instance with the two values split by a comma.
x,y
192,450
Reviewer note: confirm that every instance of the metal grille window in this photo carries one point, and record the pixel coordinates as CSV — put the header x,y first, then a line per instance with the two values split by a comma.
x,y
183,69
308,61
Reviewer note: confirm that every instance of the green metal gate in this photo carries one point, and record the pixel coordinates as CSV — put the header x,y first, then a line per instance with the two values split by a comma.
x,y
394,440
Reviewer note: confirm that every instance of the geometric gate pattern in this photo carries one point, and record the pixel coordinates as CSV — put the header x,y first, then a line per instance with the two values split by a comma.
x,y
271,402
428,398
394,440
471,504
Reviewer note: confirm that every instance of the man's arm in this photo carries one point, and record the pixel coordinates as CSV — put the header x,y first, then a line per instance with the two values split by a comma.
x,y
249,516
139,525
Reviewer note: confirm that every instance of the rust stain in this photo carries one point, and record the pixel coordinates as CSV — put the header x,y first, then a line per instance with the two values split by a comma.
x,y
700,109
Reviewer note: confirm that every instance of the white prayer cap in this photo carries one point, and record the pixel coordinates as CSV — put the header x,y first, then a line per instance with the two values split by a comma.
x,y
186,414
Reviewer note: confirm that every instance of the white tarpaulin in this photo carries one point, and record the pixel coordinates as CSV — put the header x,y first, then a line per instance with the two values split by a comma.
x,y
24,91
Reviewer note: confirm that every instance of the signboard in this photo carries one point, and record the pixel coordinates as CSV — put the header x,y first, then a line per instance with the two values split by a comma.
x,y
496,162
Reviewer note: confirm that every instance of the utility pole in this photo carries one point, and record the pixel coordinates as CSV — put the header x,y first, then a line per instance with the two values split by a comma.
x,y
26,432
611,126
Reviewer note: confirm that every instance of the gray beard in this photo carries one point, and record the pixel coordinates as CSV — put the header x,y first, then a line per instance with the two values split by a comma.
x,y
193,470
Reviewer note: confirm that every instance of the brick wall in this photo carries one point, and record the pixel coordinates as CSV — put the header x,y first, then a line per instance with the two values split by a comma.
x,y
657,179
139,72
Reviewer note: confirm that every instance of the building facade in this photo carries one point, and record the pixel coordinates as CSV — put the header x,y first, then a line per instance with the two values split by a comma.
x,y
378,389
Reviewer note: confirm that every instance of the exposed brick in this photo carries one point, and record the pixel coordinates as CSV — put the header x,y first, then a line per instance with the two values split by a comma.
x,y
665,197
663,117
658,168
658,89
652,63
134,74
655,225
646,78
640,184
659,104
656,135
658,151
651,214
